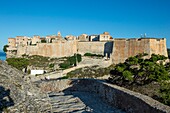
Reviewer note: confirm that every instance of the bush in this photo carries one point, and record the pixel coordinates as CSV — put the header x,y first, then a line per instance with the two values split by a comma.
x,y
29,71
5,48
51,65
79,58
165,93
19,63
64,65
136,70
71,61
93,55
64,77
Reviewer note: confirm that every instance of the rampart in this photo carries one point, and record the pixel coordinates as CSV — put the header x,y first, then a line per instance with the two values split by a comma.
x,y
118,50
124,48
58,49
116,96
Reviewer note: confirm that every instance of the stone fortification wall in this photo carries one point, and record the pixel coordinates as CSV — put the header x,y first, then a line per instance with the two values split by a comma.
x,y
103,48
118,50
158,46
59,49
124,48
116,96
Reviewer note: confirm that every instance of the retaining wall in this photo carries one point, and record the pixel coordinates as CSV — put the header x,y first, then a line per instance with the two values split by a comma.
x,y
119,97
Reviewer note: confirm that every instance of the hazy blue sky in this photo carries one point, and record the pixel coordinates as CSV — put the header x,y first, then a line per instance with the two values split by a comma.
x,y
122,18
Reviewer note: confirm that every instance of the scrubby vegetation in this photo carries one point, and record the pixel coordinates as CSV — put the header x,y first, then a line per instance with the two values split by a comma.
x,y
47,63
5,48
165,93
33,61
71,61
18,63
90,72
93,55
137,72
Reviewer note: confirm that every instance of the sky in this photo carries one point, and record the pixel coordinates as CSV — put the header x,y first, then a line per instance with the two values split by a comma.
x,y
121,18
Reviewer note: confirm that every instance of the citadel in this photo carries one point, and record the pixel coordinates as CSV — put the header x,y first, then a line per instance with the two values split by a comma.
x,y
55,46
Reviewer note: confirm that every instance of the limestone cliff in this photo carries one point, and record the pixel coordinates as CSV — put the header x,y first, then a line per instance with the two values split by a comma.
x,y
17,94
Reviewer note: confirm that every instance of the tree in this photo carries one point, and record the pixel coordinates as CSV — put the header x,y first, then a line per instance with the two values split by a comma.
x,y
5,48
140,71
165,93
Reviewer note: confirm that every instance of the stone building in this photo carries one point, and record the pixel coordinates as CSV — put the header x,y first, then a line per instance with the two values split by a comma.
x,y
35,39
53,38
12,42
83,37
104,37
21,41
94,38
70,37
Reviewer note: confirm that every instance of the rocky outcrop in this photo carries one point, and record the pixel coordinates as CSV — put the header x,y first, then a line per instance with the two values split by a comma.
x,y
18,94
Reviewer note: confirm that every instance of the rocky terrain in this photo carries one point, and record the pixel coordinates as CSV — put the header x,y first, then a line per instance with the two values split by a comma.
x,y
18,94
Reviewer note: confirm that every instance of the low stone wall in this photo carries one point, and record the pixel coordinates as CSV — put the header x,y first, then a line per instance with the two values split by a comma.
x,y
119,97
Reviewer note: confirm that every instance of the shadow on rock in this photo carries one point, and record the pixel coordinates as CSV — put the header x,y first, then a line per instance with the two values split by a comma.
x,y
94,103
5,99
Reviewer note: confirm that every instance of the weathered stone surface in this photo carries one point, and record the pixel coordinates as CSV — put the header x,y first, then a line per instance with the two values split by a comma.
x,y
113,95
124,48
18,94
79,102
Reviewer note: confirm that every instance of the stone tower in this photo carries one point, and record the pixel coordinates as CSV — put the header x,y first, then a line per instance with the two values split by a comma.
x,y
59,34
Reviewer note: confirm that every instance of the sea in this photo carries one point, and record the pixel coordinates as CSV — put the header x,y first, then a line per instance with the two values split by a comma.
x,y
2,56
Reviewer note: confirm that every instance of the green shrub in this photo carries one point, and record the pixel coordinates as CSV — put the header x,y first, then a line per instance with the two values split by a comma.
x,y
93,55
29,71
51,65
165,93
64,77
64,65
79,58
5,48
141,71
18,63
71,61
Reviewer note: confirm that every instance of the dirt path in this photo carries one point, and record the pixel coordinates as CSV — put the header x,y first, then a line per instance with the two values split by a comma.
x,y
86,61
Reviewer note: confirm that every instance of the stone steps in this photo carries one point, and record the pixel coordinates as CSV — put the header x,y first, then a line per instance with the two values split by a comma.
x,y
79,102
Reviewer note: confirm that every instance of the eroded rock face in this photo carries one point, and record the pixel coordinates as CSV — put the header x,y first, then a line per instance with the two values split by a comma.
x,y
18,94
